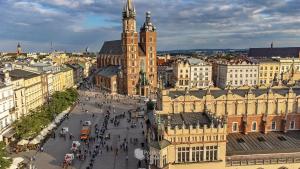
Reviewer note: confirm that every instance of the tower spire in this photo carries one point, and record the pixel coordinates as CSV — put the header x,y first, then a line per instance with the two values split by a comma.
x,y
129,9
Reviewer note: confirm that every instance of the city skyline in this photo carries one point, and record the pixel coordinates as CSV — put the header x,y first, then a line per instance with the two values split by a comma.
x,y
73,25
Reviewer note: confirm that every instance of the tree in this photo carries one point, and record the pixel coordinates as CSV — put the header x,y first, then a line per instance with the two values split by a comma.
x,y
150,105
4,161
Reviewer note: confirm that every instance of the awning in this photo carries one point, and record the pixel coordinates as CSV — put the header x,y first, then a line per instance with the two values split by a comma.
x,y
9,134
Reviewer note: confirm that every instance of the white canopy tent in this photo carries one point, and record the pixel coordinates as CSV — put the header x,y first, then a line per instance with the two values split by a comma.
x,y
15,162
22,142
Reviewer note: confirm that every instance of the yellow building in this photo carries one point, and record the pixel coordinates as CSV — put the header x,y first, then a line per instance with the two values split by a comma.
x,y
31,84
65,78
19,93
59,58
234,129
60,80
269,71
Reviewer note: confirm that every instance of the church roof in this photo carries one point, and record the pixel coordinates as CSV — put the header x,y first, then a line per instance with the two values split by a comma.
x,y
112,48
115,48
274,52
109,71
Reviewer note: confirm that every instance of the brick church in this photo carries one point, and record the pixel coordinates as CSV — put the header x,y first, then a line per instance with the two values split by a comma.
x,y
128,66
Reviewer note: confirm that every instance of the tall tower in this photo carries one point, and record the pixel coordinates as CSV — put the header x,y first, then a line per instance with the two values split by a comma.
x,y
130,49
19,49
148,44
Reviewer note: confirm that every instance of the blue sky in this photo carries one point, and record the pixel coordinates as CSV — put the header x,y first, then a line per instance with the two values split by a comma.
x,y
73,25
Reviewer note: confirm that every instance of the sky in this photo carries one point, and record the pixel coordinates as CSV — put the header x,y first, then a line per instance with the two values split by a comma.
x,y
73,25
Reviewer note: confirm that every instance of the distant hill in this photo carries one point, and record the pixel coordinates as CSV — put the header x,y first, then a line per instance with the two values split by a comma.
x,y
202,51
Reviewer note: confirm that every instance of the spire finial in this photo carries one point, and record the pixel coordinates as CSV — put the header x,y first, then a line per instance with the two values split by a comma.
x,y
129,9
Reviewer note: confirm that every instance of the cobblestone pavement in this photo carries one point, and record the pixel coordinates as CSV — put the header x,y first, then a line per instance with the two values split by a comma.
x,y
55,149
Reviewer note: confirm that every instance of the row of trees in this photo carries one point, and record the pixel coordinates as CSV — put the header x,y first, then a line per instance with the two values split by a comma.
x,y
30,126
4,161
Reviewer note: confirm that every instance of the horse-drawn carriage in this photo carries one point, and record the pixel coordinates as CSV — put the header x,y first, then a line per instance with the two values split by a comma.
x,y
75,146
68,160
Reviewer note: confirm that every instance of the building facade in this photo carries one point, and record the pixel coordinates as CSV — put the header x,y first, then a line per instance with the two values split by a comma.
x,y
237,73
242,128
136,53
7,116
269,72
201,73
192,73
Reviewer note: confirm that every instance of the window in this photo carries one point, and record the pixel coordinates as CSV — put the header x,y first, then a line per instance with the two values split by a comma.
x,y
292,124
211,153
197,154
273,125
183,154
254,126
165,160
234,127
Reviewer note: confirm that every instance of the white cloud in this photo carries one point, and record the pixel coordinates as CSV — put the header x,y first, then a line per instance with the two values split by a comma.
x,y
36,7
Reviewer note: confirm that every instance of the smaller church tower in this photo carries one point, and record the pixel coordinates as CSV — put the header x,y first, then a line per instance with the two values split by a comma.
x,y
19,49
148,44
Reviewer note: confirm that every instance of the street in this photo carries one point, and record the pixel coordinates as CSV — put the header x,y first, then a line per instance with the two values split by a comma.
x,y
112,153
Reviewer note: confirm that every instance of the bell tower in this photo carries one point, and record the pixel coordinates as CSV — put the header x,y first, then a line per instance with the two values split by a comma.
x,y
130,49
148,44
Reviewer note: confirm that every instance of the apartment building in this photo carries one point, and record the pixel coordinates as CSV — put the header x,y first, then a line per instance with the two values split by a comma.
x,y
6,106
192,73
236,73
200,73
269,71
32,84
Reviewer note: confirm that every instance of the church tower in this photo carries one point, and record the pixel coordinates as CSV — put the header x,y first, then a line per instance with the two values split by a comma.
x,y
148,44
19,49
130,49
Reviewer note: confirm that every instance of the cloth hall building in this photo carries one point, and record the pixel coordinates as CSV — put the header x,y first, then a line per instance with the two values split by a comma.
x,y
128,66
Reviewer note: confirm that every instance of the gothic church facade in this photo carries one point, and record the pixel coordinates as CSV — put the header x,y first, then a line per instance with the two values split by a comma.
x,y
135,53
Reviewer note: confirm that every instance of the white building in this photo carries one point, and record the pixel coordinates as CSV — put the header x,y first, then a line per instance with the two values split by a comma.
x,y
6,106
237,73
200,73
192,73
287,63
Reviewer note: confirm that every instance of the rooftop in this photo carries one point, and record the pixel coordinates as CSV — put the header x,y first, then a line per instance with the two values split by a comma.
x,y
273,52
258,143
115,48
109,71
18,74
188,119
241,92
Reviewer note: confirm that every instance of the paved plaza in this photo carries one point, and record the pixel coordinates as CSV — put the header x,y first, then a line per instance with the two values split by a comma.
x,y
116,158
